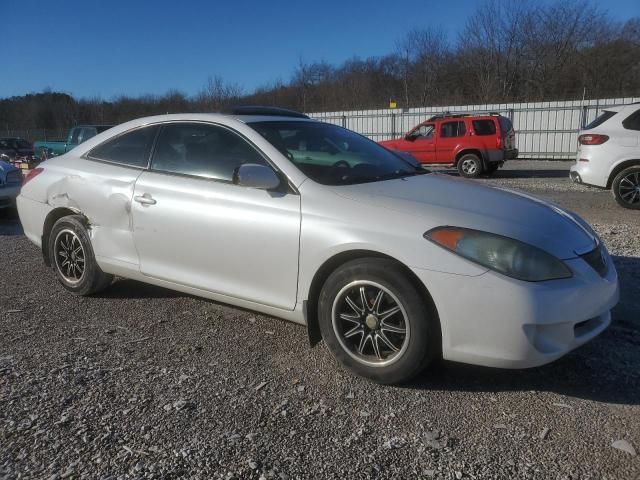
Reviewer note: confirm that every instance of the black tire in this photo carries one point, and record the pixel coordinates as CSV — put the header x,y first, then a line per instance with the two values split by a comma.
x,y
469,166
415,349
626,188
71,232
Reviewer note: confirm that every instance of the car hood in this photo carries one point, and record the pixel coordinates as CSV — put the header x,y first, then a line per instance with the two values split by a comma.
x,y
389,143
439,200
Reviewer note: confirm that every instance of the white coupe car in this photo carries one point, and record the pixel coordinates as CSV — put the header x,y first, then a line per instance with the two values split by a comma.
x,y
609,154
268,210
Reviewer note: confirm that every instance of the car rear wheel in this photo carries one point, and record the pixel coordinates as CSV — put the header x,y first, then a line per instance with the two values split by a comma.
x,y
375,321
469,166
626,188
72,257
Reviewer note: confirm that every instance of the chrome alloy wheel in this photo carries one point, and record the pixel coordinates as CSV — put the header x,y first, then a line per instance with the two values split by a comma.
x,y
629,188
69,256
469,167
370,323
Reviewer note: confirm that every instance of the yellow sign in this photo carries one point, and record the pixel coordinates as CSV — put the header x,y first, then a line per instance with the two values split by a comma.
x,y
393,104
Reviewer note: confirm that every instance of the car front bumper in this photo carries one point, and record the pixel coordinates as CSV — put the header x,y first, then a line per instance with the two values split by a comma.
x,y
496,321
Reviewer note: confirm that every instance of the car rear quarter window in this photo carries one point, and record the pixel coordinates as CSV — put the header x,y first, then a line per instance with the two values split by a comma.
x,y
131,149
484,127
603,117
452,129
208,151
632,122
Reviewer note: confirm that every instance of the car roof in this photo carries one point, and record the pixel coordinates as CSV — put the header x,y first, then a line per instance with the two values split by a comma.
x,y
211,117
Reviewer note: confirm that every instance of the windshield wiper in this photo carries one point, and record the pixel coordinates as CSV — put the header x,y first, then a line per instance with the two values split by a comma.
x,y
348,180
393,175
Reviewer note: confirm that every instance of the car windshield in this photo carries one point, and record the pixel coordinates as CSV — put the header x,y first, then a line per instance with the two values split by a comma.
x,y
333,155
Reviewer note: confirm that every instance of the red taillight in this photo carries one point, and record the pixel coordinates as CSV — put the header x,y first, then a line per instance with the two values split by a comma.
x,y
32,174
592,139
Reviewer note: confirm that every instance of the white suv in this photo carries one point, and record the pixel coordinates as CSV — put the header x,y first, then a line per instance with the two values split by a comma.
x,y
609,154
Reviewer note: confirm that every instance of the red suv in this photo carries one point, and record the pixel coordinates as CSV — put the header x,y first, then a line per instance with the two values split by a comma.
x,y
474,144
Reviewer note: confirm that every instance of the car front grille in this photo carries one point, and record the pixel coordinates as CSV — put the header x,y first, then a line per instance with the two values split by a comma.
x,y
596,259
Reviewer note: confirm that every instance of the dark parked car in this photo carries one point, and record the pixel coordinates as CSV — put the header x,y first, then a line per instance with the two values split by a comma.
x,y
15,149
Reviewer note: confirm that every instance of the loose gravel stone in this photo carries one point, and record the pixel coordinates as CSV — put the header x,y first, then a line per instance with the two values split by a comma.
x,y
142,382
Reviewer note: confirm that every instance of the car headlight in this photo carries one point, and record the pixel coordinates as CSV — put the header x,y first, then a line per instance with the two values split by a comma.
x,y
502,254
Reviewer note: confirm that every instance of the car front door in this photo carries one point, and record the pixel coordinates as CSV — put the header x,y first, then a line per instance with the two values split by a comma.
x,y
194,226
420,142
449,137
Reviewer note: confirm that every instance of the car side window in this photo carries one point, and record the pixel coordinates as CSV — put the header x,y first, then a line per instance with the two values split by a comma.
x,y
202,150
452,129
424,131
484,127
632,122
132,148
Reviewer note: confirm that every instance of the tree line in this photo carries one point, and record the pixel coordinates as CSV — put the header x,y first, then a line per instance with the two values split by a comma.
x,y
507,51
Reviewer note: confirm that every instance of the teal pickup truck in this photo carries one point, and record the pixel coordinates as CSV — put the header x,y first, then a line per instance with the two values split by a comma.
x,y
47,149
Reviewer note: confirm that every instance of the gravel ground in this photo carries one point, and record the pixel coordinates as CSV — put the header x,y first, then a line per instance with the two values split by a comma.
x,y
142,382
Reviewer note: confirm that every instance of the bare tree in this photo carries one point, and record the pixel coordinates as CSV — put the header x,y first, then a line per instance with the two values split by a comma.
x,y
218,94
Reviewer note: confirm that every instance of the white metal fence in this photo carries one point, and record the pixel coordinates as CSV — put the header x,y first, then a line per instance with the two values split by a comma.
x,y
543,129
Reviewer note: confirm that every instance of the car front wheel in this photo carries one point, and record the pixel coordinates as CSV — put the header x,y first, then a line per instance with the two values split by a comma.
x,y
375,321
72,257
626,188
470,166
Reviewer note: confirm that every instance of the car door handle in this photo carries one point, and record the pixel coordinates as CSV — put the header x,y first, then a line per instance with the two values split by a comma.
x,y
145,199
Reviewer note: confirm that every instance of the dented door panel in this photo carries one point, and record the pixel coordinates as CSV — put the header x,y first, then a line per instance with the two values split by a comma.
x,y
101,192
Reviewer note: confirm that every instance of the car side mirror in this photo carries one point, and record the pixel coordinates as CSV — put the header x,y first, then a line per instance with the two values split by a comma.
x,y
410,137
256,176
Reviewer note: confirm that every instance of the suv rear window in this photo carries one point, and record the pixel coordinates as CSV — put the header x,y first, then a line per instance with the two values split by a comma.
x,y
603,117
484,127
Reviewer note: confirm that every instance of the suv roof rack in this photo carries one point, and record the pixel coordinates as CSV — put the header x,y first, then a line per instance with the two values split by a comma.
x,y
461,114
268,111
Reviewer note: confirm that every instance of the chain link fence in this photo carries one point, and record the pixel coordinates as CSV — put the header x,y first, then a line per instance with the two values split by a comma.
x,y
33,134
